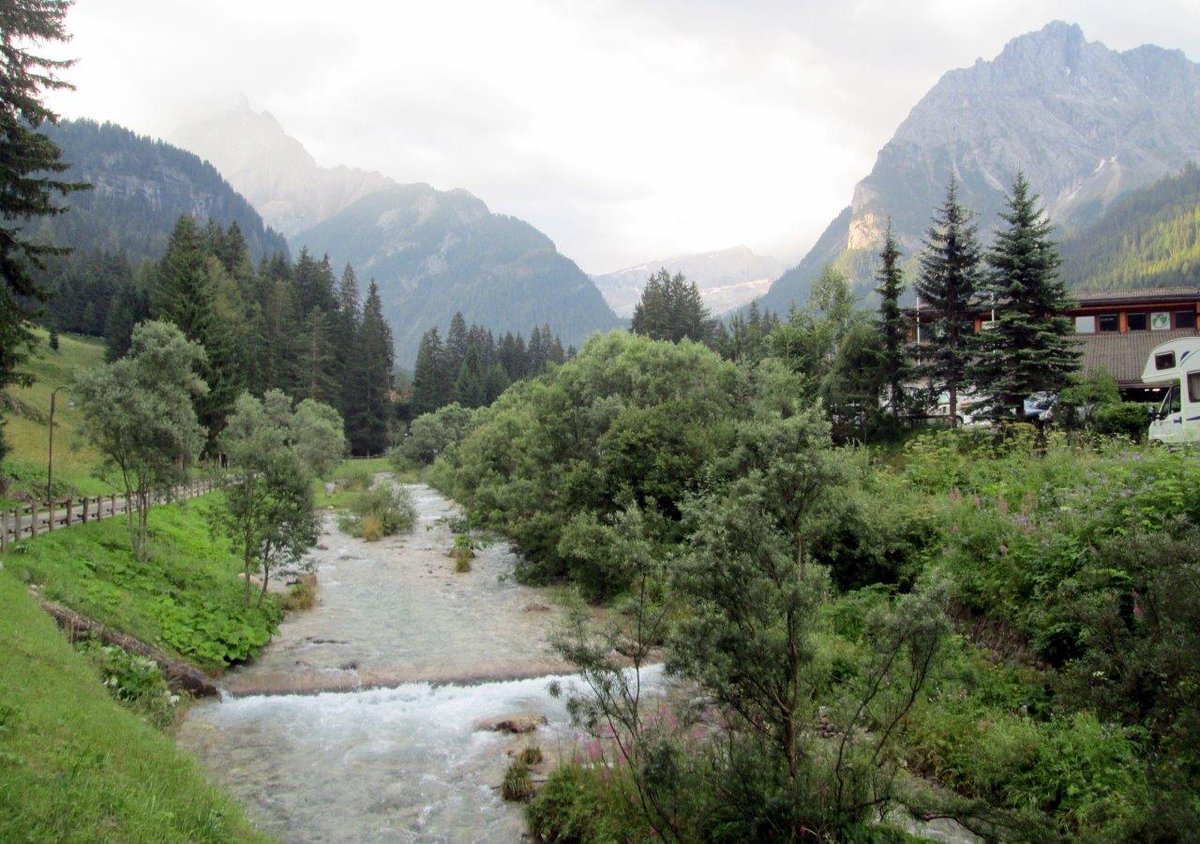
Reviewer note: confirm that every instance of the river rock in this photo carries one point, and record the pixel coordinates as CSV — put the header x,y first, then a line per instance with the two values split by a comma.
x,y
512,724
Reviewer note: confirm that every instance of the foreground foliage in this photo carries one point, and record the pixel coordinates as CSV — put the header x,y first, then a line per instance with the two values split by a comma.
x,y
798,588
74,765
185,598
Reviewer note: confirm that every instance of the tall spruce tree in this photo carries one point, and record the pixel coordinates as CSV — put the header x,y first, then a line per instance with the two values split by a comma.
x,y
367,428
892,328
29,165
427,374
671,309
948,280
1030,345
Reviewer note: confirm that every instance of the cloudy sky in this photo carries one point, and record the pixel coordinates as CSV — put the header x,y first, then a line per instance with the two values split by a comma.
x,y
627,130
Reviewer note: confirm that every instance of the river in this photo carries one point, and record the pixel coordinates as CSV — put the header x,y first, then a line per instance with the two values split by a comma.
x,y
359,721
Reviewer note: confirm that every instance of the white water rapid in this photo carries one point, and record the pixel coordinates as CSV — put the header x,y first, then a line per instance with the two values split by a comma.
x,y
402,761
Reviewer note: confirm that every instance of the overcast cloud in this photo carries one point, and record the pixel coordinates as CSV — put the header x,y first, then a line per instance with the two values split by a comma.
x,y
625,130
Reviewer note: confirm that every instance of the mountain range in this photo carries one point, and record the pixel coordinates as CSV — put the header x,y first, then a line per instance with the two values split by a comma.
x,y
727,279
139,188
432,252
1085,123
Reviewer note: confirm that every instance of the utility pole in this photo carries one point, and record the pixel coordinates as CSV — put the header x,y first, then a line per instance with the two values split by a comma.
x,y
50,451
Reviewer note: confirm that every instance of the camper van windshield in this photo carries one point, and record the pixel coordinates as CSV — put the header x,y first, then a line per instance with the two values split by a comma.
x,y
1170,403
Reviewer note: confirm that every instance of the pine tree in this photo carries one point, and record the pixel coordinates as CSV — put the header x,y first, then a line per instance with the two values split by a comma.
x,y
29,164
1030,346
456,344
949,277
470,389
180,294
671,308
892,328
316,376
367,429
427,374
346,325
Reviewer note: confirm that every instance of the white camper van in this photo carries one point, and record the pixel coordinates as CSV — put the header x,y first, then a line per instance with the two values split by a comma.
x,y
1176,365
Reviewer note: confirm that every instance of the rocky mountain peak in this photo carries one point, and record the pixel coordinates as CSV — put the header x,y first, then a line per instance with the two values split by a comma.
x,y
1086,124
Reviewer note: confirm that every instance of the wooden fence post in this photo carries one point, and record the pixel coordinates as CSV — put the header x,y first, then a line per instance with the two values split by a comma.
x,y
33,525
50,521
83,514
70,510
112,504
4,532
16,524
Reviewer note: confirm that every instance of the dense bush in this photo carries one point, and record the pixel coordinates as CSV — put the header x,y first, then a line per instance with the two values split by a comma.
x,y
383,510
430,434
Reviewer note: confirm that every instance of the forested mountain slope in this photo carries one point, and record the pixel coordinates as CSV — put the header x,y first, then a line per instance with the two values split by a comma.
x,y
1148,238
435,253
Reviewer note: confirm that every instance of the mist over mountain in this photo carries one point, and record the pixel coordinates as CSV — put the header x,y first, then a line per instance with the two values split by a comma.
x,y
432,252
274,170
437,252
1086,124
140,187
727,279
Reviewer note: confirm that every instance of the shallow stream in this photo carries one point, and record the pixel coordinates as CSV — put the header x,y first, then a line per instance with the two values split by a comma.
x,y
359,721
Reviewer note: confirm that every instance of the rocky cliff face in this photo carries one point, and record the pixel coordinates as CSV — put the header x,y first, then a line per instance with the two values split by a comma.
x,y
727,279
274,170
1085,123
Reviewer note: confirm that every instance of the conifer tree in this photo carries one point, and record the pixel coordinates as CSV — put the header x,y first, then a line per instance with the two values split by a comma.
x,y
427,374
367,429
671,309
891,323
181,292
456,345
316,364
470,389
949,277
1030,346
29,165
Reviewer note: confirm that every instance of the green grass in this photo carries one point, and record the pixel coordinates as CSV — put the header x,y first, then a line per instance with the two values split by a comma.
x,y
186,599
74,765
27,433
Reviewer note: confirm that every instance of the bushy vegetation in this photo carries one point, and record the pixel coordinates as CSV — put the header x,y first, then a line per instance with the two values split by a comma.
x,y
1010,614
382,510
75,765
185,598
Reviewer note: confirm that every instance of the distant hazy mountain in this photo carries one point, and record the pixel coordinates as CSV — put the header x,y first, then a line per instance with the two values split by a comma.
x,y
1085,123
1148,238
727,279
274,171
140,187
436,252
433,252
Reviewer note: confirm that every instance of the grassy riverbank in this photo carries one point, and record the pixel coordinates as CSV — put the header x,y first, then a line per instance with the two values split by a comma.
x,y
186,599
74,765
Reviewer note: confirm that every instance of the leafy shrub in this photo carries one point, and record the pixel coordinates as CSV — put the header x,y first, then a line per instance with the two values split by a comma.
x,y
354,479
216,636
383,510
1126,419
132,679
431,434
463,552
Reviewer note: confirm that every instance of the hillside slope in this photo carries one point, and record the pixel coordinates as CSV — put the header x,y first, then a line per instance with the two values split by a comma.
x,y
74,765
1148,238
